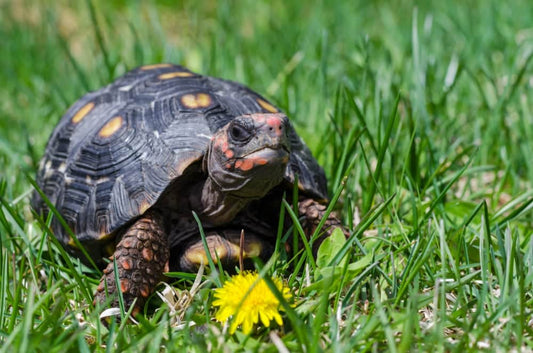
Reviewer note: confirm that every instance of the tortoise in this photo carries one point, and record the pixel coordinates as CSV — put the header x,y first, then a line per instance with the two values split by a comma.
x,y
128,164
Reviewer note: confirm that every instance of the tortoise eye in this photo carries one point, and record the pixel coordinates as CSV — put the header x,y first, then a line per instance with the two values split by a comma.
x,y
239,133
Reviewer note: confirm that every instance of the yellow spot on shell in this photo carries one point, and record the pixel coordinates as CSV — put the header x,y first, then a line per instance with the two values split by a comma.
x,y
111,127
199,100
143,207
80,114
155,66
267,106
169,75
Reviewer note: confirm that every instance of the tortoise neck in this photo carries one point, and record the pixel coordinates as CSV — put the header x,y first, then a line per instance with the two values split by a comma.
x,y
218,207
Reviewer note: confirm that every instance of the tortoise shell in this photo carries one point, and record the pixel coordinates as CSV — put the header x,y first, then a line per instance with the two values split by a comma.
x,y
116,150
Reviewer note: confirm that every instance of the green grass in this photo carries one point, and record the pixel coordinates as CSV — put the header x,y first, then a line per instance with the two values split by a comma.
x,y
426,109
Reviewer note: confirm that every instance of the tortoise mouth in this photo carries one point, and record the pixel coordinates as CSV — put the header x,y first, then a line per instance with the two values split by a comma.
x,y
268,155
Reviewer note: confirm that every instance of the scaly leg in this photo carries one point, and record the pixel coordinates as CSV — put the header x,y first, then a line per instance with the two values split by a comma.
x,y
141,256
224,244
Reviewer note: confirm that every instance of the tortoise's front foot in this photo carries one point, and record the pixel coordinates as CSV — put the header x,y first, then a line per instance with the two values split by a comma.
x,y
141,257
224,246
313,212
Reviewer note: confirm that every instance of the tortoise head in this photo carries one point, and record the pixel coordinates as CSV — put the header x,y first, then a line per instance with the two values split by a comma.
x,y
249,155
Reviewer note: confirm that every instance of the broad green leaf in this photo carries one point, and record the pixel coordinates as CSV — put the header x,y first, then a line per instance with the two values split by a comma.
x,y
330,247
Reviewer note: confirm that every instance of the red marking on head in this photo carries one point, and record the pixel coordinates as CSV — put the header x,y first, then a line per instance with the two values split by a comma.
x,y
276,123
229,153
228,166
260,161
247,164
218,142
224,146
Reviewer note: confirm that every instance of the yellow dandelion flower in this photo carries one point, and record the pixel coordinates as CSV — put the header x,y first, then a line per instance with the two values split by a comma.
x,y
248,306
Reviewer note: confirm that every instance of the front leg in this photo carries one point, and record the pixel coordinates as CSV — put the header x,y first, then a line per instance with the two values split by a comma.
x,y
141,256
225,245
312,213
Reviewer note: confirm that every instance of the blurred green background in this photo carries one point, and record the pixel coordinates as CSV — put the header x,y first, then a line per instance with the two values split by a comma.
x,y
453,62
